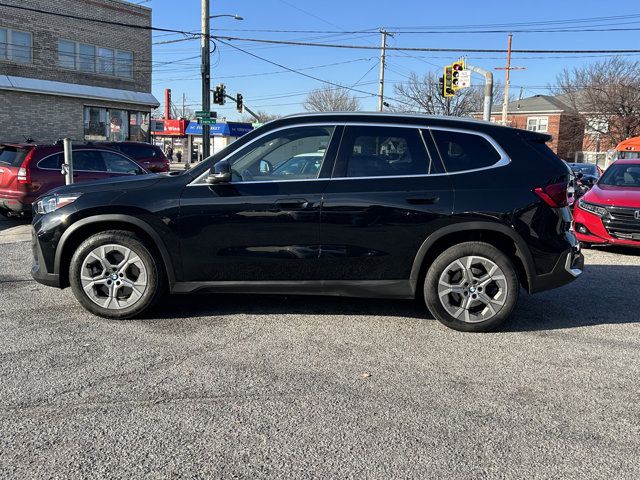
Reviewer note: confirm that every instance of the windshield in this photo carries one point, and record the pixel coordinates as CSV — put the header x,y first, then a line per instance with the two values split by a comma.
x,y
624,154
622,176
12,156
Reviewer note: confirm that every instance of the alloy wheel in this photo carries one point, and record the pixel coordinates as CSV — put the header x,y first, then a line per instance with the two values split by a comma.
x,y
472,289
113,276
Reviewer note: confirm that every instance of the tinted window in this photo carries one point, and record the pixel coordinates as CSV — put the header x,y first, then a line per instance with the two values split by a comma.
x,y
382,151
464,151
621,176
12,156
88,160
53,162
291,154
118,164
136,151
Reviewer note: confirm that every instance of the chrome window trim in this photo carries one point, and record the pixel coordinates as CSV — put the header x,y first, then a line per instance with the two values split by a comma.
x,y
199,181
87,171
504,158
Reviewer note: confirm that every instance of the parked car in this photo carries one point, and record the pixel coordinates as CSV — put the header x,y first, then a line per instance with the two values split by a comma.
x,y
149,156
610,212
458,213
28,171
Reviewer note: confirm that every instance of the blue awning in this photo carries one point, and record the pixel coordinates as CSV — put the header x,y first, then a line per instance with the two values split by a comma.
x,y
230,129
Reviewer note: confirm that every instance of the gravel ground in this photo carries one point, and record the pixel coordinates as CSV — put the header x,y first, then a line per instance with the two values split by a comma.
x,y
299,387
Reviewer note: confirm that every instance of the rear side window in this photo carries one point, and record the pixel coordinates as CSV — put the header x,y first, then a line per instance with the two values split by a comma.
x,y
12,156
53,162
462,151
371,151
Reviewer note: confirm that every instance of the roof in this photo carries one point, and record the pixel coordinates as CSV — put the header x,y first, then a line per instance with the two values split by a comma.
x,y
536,104
629,145
420,117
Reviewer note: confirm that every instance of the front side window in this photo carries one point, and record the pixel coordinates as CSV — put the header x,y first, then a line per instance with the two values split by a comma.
x,y
67,54
371,151
88,161
115,163
461,151
292,154
106,61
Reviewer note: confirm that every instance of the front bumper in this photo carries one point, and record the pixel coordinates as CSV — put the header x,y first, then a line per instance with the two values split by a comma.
x,y
39,268
569,266
596,233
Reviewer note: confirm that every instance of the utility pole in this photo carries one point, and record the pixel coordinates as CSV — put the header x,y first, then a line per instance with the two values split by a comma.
x,y
383,53
206,76
184,111
505,102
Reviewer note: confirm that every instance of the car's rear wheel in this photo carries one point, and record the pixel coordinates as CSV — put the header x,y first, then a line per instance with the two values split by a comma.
x,y
113,274
471,287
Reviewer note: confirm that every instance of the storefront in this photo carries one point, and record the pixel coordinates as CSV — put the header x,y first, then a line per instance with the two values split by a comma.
x,y
170,135
222,134
115,125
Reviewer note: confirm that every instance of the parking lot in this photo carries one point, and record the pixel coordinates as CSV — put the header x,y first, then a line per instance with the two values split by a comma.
x,y
217,386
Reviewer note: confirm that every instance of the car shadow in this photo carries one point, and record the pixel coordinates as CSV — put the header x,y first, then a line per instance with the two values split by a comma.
x,y
10,222
605,294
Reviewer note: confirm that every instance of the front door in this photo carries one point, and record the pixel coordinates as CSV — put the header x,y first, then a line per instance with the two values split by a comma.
x,y
387,195
264,224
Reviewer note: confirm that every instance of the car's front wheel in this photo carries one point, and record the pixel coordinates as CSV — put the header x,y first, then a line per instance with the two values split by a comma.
x,y
114,275
471,287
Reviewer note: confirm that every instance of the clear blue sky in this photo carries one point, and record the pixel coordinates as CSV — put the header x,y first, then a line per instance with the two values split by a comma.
x,y
284,92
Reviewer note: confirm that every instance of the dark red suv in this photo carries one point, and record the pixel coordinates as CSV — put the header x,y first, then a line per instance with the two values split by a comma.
x,y
28,171
149,156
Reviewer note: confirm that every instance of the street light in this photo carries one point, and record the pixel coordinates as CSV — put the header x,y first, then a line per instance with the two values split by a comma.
x,y
235,17
205,70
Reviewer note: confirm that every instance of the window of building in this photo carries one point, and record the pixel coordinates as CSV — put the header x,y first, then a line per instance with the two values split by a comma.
x,y
95,123
105,61
139,126
87,58
118,125
371,151
16,46
67,54
124,64
462,151
115,124
537,124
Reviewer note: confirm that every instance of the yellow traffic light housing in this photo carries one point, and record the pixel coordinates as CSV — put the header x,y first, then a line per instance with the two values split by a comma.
x,y
447,87
456,67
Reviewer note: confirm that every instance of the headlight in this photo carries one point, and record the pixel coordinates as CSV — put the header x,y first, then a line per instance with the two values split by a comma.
x,y
54,202
593,208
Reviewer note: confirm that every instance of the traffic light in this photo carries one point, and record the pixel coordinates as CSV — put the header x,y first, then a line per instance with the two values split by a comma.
x,y
456,68
441,85
447,89
219,94
239,105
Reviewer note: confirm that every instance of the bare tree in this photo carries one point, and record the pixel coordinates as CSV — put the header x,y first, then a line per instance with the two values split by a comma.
x,y
263,117
422,95
331,99
605,97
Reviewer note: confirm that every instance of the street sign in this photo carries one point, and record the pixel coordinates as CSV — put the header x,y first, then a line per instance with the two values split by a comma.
x,y
206,121
464,79
203,114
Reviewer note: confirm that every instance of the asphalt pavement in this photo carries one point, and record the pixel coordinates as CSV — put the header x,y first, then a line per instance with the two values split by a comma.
x,y
222,386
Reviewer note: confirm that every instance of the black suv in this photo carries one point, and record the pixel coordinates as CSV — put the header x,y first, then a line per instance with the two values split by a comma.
x,y
456,212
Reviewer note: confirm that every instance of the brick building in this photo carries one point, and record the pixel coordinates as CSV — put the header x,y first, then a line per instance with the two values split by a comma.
x,y
66,77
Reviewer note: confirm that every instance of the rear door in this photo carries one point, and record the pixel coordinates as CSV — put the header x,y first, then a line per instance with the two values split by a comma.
x,y
386,196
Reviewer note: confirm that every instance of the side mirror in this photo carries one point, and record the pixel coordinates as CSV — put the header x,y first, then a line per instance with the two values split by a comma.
x,y
220,173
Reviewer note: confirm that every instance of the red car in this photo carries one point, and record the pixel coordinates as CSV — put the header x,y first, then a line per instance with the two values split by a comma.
x,y
149,156
28,171
609,213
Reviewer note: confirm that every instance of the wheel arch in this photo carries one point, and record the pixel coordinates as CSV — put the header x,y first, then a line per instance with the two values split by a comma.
x,y
500,236
82,229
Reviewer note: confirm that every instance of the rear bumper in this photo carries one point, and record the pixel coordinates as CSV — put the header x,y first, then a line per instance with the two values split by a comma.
x,y
14,205
569,266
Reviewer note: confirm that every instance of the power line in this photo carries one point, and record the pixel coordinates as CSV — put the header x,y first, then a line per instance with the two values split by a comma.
x,y
415,49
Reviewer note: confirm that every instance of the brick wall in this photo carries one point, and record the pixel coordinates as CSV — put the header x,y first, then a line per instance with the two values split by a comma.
x,y
46,118
46,30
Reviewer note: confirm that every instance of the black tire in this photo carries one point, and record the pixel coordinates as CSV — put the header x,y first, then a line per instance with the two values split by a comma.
x,y
155,282
442,263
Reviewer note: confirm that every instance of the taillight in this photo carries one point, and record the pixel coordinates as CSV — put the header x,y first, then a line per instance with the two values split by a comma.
x,y
554,195
24,173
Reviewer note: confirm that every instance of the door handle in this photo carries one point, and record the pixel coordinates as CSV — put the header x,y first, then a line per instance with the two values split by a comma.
x,y
292,204
423,199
